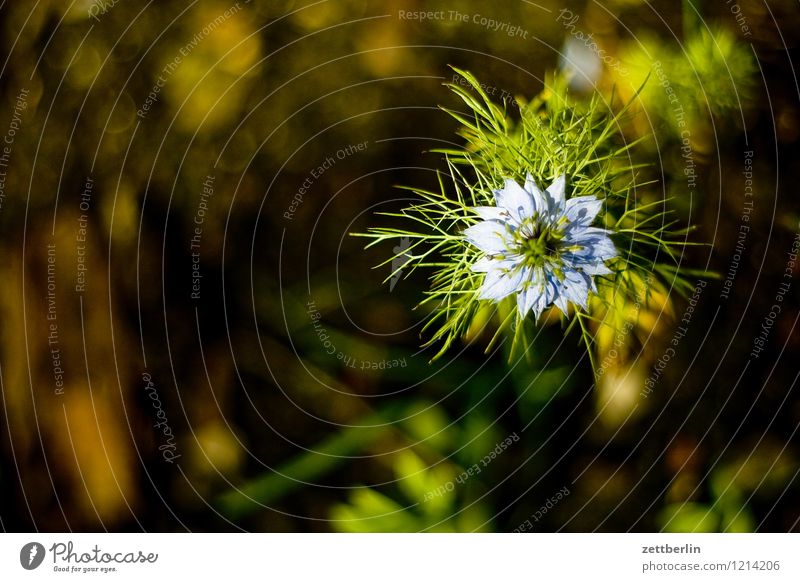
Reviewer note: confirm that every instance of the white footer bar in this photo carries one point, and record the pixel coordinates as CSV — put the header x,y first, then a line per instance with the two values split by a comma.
x,y
400,557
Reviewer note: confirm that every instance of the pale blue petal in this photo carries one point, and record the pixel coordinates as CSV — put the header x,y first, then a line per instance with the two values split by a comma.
x,y
522,302
556,194
526,300
500,283
532,300
484,265
541,306
591,258
515,200
602,248
491,213
591,268
488,236
553,283
562,303
502,262
594,243
576,287
549,294
593,231
597,269
592,286
582,210
539,202
531,291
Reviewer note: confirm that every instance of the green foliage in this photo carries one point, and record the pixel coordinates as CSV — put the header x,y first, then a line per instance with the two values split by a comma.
x,y
710,73
688,517
430,503
431,490
763,470
553,135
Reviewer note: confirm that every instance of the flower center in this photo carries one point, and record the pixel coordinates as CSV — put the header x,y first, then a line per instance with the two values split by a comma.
x,y
539,243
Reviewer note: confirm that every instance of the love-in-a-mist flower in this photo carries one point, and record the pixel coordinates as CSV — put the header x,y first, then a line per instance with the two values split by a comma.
x,y
540,246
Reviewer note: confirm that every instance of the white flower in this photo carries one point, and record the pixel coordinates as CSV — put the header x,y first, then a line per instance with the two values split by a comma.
x,y
540,246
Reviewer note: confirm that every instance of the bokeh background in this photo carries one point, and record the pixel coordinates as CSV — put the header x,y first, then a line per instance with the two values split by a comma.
x,y
191,340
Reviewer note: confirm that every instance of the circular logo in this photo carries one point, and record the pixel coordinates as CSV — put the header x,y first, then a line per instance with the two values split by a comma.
x,y
31,555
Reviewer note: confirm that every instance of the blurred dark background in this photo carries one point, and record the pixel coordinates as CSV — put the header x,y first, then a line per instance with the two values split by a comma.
x,y
191,340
